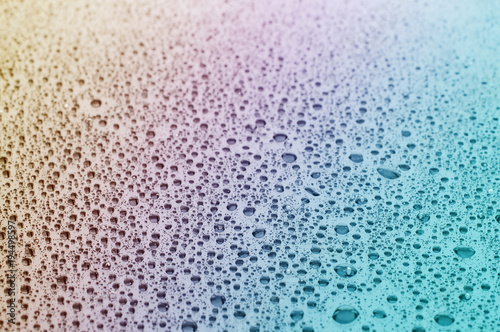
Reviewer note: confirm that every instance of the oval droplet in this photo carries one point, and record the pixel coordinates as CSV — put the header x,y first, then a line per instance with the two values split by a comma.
x,y
346,270
259,233
249,211
95,103
217,300
289,157
379,314
464,252
163,307
297,315
188,326
280,137
387,173
444,319
345,314
311,191
342,229
404,167
356,158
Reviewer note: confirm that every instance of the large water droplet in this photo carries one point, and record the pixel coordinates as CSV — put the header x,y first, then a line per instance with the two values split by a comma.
x,y
95,103
379,314
346,271
297,315
464,252
259,232
423,217
163,307
388,174
361,200
289,157
444,319
280,137
188,326
345,314
249,211
239,314
342,229
404,167
217,300
356,158
311,191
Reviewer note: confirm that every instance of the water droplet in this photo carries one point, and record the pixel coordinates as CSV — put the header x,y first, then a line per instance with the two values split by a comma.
x,y
464,252
311,191
404,167
388,174
289,157
342,229
249,211
280,137
361,200
423,217
259,233
418,329
297,315
356,158
392,299
444,319
433,171
163,307
379,314
232,206
95,103
345,314
346,271
260,123
239,314
189,326
217,300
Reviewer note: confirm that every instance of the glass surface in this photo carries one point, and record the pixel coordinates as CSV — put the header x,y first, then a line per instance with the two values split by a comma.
x,y
238,165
